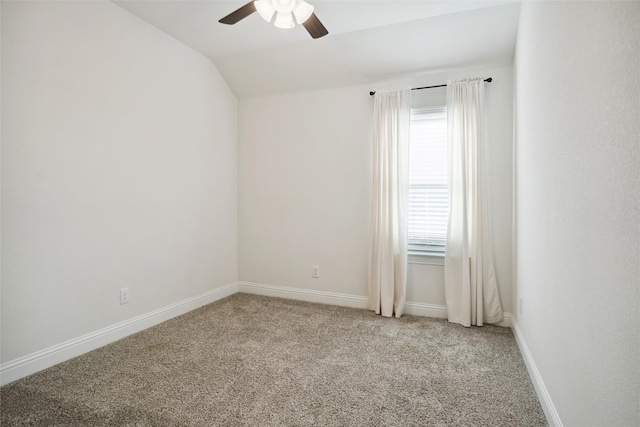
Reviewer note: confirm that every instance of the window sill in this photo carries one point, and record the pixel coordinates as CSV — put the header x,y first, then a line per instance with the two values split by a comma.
x,y
429,258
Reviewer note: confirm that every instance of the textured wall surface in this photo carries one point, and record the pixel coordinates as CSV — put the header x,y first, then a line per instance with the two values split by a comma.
x,y
578,205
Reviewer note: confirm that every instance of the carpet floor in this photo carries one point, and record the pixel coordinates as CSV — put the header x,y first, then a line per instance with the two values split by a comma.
x,y
250,360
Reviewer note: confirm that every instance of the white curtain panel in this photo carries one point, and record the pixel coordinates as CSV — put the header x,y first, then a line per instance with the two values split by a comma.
x,y
388,256
471,288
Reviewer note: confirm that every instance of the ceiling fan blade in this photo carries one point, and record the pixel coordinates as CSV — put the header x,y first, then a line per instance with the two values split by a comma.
x,y
239,14
315,27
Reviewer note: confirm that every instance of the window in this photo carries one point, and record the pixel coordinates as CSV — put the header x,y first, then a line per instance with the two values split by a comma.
x,y
428,176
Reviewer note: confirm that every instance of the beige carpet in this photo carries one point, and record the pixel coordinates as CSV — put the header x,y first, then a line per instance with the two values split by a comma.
x,y
255,361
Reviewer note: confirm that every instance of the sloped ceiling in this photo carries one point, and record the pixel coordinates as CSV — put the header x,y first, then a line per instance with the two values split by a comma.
x,y
368,41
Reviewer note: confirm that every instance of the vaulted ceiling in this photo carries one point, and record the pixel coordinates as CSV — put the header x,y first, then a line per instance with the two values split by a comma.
x,y
368,41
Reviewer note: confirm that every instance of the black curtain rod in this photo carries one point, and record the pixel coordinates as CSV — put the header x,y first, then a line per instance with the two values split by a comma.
x,y
489,80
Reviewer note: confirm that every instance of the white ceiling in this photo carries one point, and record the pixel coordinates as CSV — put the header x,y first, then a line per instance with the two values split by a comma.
x,y
368,41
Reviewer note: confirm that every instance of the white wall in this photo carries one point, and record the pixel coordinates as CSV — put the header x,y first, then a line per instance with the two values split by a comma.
x,y
118,170
305,164
578,206
304,167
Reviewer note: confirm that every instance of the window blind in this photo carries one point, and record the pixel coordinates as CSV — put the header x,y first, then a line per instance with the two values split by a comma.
x,y
428,176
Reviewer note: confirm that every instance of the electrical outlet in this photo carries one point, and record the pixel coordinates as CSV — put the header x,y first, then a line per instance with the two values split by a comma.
x,y
520,305
315,271
124,296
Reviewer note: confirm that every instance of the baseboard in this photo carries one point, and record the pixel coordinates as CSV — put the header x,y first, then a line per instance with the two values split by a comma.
x,y
32,363
346,300
309,295
506,321
440,312
427,310
550,412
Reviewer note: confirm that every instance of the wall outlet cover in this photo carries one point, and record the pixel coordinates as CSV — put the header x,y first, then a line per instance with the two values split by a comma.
x,y
124,296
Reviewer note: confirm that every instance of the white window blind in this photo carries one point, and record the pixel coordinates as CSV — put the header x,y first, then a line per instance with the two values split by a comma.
x,y
428,176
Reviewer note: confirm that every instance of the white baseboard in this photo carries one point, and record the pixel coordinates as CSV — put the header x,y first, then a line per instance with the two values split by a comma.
x,y
346,300
440,312
322,297
32,363
506,321
427,310
550,412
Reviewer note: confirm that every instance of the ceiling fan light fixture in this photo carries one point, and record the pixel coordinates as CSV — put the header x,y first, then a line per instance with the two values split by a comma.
x,y
265,9
284,6
284,21
284,11
303,11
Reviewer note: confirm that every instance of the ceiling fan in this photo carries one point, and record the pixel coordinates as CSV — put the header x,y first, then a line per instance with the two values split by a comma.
x,y
284,10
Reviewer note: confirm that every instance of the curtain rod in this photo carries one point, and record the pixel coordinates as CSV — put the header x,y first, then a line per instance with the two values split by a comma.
x,y
489,80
